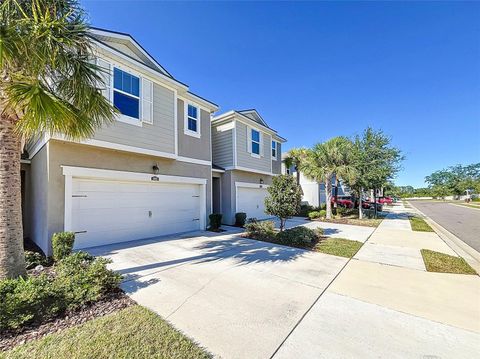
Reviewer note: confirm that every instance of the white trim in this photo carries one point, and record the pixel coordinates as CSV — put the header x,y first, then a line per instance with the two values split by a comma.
x,y
175,119
198,102
129,120
27,162
251,185
84,172
129,39
217,170
234,141
274,158
250,145
186,130
239,168
149,70
38,146
194,160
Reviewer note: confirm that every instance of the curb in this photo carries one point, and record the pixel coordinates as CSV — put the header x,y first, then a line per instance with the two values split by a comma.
x,y
456,244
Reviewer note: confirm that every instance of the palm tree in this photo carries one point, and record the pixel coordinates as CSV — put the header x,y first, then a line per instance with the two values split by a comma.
x,y
49,84
326,160
294,158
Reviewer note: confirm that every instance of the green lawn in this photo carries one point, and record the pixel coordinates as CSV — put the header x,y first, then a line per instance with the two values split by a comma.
x,y
134,332
418,224
444,263
338,247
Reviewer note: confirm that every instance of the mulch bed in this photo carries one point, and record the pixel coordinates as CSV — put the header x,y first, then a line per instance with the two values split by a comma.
x,y
111,303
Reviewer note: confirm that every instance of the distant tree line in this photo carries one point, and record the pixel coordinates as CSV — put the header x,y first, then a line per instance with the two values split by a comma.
x,y
451,181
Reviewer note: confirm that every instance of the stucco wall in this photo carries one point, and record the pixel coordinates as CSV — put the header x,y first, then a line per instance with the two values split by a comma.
x,y
228,190
72,154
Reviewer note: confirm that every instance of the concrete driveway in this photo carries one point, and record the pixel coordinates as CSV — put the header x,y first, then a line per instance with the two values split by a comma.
x,y
237,297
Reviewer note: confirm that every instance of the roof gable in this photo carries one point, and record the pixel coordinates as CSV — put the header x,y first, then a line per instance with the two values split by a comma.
x,y
254,116
128,46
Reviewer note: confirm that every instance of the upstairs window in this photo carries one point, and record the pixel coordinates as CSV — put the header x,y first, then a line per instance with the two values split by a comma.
x,y
126,93
192,118
255,142
274,150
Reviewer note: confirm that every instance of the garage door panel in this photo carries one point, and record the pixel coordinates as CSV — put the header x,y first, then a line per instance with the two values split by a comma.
x,y
109,212
252,202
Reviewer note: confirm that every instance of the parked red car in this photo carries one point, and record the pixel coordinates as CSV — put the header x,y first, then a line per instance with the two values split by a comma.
x,y
344,201
385,200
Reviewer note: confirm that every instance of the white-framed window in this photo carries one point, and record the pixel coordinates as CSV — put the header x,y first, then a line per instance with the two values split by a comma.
x,y
192,120
126,93
274,150
255,142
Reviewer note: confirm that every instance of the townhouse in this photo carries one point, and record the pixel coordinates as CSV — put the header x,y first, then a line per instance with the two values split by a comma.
x,y
150,173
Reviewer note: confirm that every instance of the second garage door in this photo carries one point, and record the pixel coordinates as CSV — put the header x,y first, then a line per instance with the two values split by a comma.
x,y
105,212
252,202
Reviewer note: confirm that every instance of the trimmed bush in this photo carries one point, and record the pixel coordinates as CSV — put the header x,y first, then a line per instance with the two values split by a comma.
x,y
305,210
79,279
215,221
317,214
341,211
240,219
299,236
262,230
62,244
33,259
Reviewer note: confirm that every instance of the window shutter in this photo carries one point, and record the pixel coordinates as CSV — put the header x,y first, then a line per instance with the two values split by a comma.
x,y
249,140
106,77
261,145
147,101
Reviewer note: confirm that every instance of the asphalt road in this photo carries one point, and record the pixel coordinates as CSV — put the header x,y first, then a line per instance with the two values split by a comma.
x,y
463,222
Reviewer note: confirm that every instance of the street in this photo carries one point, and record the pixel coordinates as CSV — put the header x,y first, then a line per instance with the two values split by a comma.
x,y
463,222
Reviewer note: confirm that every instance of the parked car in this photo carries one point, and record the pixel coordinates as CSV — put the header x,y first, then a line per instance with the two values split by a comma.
x,y
385,200
344,201
367,204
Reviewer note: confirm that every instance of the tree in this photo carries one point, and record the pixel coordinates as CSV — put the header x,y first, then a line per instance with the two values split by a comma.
x,y
375,162
49,84
324,161
284,198
454,180
294,158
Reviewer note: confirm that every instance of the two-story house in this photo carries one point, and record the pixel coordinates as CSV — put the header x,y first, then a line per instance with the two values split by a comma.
x,y
246,155
147,174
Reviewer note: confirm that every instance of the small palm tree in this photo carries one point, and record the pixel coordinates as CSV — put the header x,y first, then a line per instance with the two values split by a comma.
x,y
49,84
294,158
326,160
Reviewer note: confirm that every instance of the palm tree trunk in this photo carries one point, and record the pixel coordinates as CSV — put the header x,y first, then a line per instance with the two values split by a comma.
x,y
335,204
12,255
328,196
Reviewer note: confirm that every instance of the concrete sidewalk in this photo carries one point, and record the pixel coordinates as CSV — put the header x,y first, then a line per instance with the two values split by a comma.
x,y
385,305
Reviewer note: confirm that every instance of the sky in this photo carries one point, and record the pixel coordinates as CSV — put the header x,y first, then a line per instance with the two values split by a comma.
x,y
316,70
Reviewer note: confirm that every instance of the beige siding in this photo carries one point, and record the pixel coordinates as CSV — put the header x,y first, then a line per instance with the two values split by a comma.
x,y
244,158
189,146
159,136
277,165
222,147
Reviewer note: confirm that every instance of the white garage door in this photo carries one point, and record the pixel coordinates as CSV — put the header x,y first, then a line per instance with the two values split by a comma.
x,y
105,212
252,202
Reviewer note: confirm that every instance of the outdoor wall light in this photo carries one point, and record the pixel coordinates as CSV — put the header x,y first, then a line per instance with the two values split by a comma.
x,y
155,169
261,180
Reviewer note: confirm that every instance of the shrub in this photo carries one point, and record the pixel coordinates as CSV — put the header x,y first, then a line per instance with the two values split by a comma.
x,y
240,219
78,280
62,244
84,279
314,215
305,210
33,259
262,230
27,300
299,236
215,220
323,213
341,211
